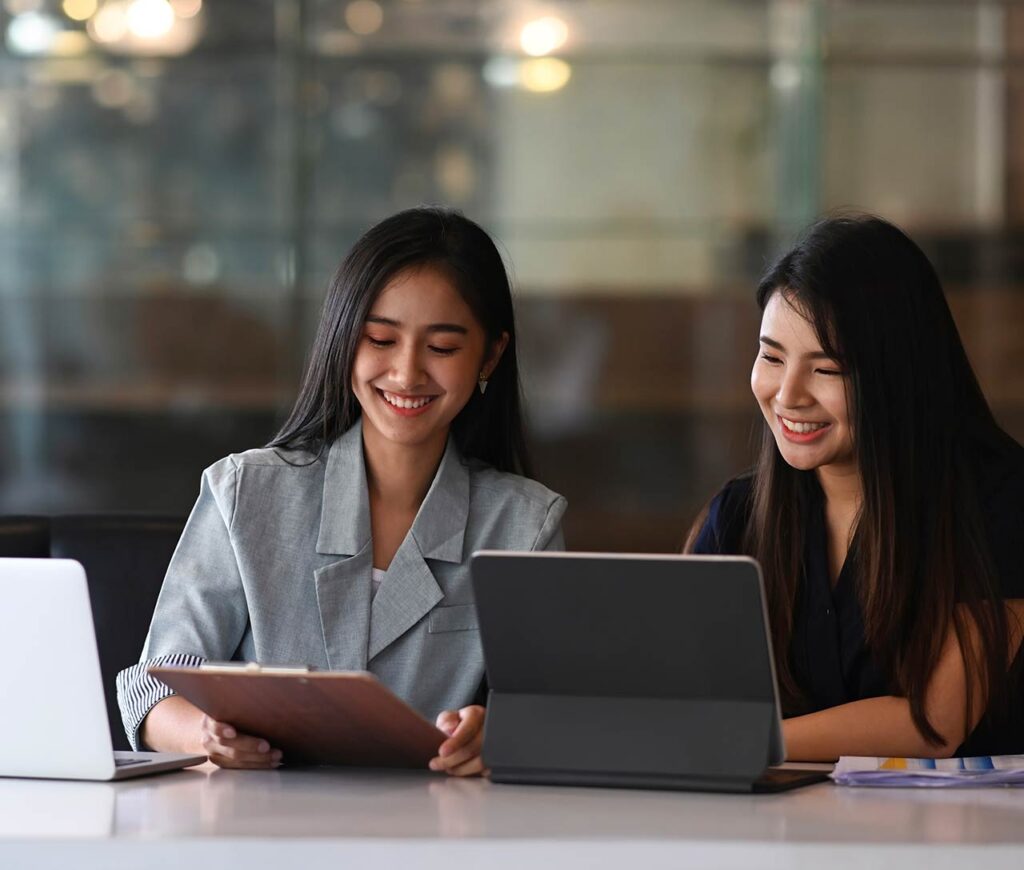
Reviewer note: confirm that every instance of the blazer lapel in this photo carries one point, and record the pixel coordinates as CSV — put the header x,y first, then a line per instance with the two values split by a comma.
x,y
409,590
345,516
343,593
344,588
408,593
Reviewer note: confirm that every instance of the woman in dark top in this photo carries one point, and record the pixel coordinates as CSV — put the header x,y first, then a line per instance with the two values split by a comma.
x,y
886,509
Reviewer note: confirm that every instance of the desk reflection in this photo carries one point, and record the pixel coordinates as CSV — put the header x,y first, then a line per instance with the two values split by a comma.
x,y
360,805
54,808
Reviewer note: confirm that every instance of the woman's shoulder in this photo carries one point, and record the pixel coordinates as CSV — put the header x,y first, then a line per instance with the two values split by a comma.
x,y
489,484
511,512
1000,477
726,517
1000,487
735,495
998,481
225,471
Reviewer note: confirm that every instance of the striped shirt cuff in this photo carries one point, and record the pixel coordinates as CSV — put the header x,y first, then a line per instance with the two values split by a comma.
x,y
138,692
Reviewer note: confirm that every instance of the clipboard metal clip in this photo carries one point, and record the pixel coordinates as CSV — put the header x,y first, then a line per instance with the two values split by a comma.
x,y
253,668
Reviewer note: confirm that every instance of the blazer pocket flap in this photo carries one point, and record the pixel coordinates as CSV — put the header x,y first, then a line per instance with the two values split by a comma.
x,y
459,617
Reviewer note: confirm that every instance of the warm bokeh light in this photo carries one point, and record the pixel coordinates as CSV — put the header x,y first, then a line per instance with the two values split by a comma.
x,y
543,35
544,74
80,10
541,74
150,19
364,17
72,70
187,8
142,28
70,43
110,23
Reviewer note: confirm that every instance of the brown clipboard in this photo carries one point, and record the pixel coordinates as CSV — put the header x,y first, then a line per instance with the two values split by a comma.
x,y
313,717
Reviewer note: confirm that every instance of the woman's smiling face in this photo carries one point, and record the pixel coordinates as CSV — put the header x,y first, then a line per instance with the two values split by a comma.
x,y
419,358
801,391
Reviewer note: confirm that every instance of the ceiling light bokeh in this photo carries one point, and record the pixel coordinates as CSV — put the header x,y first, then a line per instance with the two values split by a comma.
x,y
544,74
31,33
364,17
150,19
543,35
501,72
110,23
147,28
187,8
70,43
80,10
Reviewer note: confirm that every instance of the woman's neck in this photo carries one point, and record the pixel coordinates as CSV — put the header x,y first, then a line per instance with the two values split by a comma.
x,y
399,475
841,485
843,497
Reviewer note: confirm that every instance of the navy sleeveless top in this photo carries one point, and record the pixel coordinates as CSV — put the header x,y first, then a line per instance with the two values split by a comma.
x,y
828,651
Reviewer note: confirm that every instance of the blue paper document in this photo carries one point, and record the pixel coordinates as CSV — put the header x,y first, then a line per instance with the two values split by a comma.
x,y
984,770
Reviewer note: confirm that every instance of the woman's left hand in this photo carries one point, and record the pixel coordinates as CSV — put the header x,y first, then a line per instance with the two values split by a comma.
x,y
459,755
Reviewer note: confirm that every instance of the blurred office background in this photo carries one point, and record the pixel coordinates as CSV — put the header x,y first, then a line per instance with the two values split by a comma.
x,y
178,180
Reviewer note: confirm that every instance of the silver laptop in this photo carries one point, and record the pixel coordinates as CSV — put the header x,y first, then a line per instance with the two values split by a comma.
x,y
54,723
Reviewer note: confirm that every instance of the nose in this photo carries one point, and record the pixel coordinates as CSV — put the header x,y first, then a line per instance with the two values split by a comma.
x,y
407,367
792,391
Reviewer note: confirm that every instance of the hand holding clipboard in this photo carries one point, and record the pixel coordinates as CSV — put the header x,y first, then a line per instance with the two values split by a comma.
x,y
313,717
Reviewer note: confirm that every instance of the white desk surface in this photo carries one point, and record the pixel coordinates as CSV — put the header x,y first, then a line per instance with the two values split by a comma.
x,y
370,819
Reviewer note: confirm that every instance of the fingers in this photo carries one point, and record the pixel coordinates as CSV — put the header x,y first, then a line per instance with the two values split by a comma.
x,y
473,767
451,760
470,726
227,748
459,755
448,721
236,764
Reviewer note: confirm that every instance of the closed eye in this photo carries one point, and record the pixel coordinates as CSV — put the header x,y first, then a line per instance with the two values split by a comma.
x,y
444,351
771,360
379,342
830,372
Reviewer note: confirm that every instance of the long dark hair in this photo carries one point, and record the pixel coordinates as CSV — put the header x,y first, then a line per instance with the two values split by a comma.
x,y
490,427
919,422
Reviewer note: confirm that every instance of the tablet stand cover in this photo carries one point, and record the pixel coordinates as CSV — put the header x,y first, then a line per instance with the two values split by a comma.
x,y
313,717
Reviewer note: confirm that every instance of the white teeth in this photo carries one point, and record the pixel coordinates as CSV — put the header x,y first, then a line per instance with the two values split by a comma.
x,y
802,428
408,404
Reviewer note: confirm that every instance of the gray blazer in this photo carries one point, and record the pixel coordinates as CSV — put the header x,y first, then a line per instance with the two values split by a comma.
x,y
275,564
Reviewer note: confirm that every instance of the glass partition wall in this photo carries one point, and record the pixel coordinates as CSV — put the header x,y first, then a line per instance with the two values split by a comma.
x,y
178,180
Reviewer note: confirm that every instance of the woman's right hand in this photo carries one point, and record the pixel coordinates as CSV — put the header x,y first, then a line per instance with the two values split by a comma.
x,y
227,748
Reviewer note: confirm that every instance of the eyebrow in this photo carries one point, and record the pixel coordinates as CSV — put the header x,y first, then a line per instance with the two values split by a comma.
x,y
433,328
771,342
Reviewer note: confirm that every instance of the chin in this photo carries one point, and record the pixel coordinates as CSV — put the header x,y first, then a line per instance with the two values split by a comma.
x,y
800,465
401,435
798,459
407,436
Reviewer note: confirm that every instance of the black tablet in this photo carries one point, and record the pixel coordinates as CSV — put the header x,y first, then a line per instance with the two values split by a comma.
x,y
629,670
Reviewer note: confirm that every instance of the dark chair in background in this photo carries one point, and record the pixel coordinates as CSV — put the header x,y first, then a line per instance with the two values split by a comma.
x,y
25,537
125,558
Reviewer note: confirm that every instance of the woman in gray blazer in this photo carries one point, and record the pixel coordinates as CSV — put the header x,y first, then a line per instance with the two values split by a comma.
x,y
345,543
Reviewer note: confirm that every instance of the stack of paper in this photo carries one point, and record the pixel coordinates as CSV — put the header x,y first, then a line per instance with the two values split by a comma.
x,y
930,772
